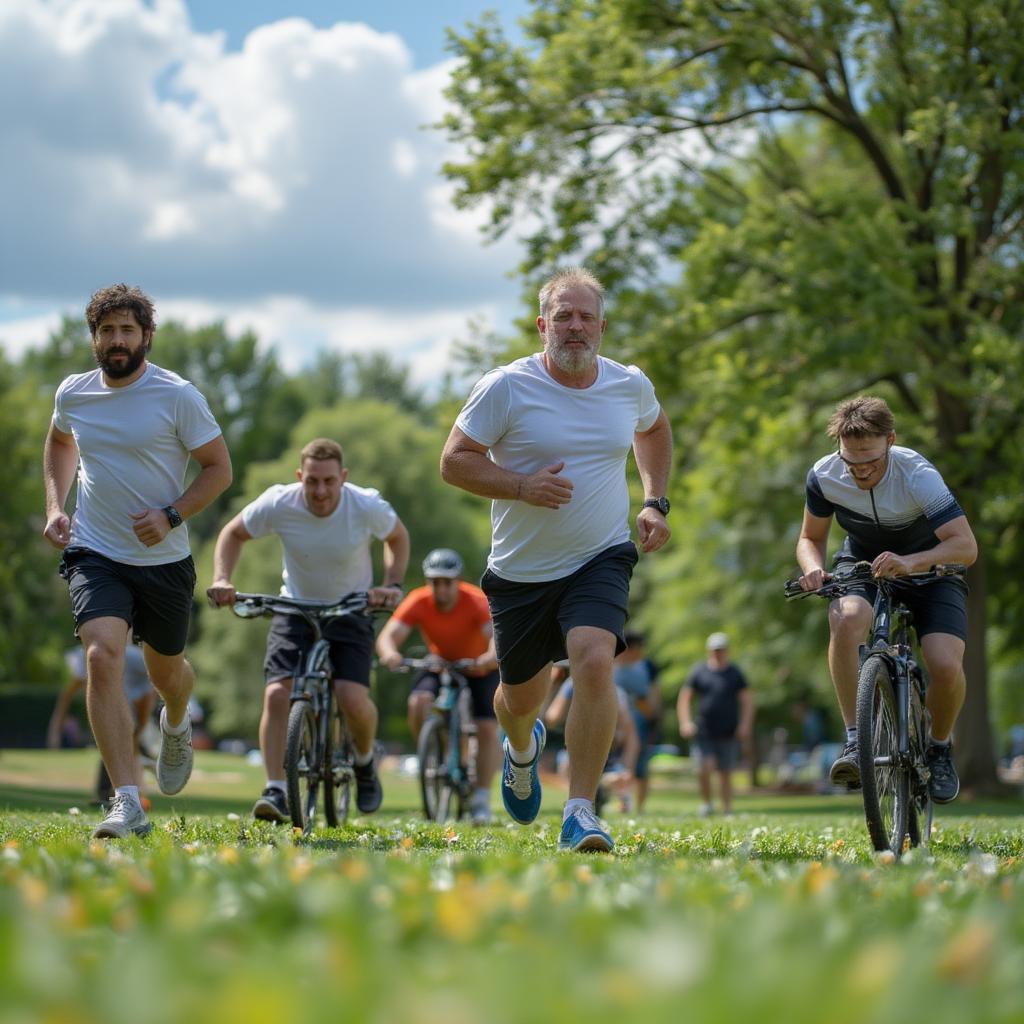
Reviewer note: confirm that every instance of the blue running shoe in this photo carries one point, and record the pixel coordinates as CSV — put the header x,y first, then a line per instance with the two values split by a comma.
x,y
520,786
582,831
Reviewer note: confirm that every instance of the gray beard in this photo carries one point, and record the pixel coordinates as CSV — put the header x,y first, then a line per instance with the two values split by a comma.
x,y
573,363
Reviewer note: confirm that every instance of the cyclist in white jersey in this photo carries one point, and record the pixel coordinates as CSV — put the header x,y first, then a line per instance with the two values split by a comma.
x,y
900,516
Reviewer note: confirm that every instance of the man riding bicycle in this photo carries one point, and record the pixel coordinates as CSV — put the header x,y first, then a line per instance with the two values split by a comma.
x,y
455,620
326,526
900,516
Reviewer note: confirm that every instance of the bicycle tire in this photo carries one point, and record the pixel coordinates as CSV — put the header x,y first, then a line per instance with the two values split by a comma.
x,y
885,788
338,775
432,754
302,765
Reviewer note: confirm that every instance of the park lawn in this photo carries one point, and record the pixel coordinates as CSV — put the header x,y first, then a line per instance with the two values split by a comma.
x,y
779,914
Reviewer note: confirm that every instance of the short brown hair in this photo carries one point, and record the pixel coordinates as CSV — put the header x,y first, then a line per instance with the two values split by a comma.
x,y
120,297
864,416
321,449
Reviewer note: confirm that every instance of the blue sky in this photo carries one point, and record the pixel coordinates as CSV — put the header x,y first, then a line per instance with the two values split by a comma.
x,y
259,162
421,24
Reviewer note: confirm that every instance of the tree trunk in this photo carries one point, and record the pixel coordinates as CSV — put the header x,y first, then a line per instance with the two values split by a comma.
x,y
975,749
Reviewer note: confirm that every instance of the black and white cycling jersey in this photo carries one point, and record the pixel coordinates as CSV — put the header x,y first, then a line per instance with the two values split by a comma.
x,y
900,513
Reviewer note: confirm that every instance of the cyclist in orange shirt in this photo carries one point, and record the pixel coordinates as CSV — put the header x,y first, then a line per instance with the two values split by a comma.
x,y
455,620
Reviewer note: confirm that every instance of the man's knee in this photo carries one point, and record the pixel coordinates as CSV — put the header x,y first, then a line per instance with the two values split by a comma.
x,y
277,695
849,621
944,665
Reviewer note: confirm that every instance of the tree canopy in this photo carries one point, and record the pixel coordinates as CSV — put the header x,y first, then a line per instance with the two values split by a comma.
x,y
791,201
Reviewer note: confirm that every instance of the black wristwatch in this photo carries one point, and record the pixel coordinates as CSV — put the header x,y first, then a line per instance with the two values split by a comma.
x,y
173,516
663,505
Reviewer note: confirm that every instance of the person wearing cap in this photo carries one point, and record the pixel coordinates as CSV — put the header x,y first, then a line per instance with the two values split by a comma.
x,y
454,619
725,714
326,526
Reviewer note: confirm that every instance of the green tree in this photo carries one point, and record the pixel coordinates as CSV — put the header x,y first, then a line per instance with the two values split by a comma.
x,y
32,606
792,201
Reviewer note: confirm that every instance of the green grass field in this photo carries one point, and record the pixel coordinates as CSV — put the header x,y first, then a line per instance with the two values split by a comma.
x,y
781,913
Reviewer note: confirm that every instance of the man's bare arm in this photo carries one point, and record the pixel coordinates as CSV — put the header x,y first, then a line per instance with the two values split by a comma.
x,y
653,451
226,553
151,526
60,462
464,463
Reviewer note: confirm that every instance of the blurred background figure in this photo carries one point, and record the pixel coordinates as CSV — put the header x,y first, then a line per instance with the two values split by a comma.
x,y
141,698
620,768
637,677
725,715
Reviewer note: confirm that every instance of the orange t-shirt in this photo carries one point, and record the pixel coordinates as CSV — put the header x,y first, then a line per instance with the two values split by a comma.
x,y
460,633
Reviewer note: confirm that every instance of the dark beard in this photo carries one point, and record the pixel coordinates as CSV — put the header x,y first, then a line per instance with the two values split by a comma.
x,y
116,371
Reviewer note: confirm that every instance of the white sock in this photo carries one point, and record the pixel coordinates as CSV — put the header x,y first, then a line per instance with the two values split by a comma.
x,y
851,734
523,757
130,791
942,743
483,795
575,804
363,759
277,784
173,730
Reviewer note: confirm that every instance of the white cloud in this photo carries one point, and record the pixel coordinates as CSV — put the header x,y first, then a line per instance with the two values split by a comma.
x,y
298,166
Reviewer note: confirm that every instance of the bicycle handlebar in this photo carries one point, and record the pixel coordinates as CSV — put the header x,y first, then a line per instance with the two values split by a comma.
x,y
846,577
254,606
432,664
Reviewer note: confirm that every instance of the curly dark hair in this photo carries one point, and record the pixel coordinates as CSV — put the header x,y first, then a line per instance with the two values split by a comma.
x,y
120,297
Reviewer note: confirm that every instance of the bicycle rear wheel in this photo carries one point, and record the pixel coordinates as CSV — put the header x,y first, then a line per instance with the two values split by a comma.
x,y
302,765
432,753
885,786
338,775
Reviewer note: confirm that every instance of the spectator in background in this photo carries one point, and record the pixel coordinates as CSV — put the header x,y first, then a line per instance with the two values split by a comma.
x,y
637,676
140,695
725,714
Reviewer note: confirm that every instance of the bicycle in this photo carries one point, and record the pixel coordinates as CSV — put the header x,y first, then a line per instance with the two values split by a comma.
x,y
448,745
892,717
318,747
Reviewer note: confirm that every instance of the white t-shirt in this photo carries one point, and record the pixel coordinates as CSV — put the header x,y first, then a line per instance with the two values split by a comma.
x,y
325,557
133,444
528,421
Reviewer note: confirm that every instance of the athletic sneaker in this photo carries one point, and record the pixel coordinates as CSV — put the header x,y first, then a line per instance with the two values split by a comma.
x,y
846,767
174,762
368,788
582,831
124,818
272,805
944,784
520,785
480,809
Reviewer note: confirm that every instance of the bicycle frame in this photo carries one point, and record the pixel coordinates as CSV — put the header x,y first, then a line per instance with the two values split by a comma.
x,y
889,638
451,701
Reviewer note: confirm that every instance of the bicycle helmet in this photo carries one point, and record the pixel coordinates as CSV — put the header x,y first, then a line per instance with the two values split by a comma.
x,y
442,563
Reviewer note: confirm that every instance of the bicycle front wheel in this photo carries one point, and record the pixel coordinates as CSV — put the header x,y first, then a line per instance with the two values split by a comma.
x,y
432,753
337,766
885,785
302,765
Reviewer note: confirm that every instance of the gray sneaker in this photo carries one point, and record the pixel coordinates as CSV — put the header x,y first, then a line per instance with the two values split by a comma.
x,y
174,763
846,767
124,818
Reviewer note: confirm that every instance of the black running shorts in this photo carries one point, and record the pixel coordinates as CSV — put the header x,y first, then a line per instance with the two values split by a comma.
x,y
531,620
155,600
291,636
